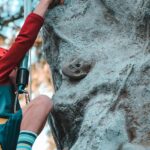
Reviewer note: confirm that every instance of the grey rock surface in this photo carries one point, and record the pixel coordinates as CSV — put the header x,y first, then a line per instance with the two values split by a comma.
x,y
108,109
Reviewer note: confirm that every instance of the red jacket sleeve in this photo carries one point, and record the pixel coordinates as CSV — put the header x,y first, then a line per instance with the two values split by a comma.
x,y
22,44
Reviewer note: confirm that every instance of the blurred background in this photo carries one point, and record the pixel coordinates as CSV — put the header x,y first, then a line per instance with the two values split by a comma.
x,y
11,20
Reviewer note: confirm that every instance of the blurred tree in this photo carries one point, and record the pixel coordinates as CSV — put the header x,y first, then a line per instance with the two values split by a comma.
x,y
10,11
11,15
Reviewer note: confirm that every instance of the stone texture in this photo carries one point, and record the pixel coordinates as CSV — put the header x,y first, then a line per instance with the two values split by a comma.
x,y
108,109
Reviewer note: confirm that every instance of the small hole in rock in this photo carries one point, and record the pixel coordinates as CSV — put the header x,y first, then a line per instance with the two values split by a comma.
x,y
78,65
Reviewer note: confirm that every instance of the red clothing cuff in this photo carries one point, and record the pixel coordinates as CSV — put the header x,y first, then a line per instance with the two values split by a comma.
x,y
36,16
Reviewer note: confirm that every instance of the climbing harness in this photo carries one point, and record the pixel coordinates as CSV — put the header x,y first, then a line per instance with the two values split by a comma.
x,y
27,98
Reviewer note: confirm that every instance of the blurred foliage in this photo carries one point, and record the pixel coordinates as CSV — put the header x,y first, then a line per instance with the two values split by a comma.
x,y
11,15
10,11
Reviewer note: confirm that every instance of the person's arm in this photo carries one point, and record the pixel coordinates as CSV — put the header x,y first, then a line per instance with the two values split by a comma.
x,y
24,40
22,44
44,5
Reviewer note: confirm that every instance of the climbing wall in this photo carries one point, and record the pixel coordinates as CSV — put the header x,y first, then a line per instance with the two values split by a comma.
x,y
98,51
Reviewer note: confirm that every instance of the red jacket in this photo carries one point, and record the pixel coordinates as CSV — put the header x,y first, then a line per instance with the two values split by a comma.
x,y
22,44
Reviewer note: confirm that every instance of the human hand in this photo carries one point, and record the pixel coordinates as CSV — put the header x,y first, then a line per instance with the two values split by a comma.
x,y
52,2
45,4
55,3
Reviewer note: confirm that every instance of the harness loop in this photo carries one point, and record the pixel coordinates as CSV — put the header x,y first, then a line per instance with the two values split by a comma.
x,y
27,99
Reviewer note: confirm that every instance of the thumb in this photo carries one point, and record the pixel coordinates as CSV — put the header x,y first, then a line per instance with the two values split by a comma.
x,y
61,2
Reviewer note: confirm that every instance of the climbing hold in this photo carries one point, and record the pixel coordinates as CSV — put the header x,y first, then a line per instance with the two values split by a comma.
x,y
76,69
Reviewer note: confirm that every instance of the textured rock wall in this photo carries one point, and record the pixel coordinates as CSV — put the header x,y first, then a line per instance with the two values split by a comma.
x,y
105,106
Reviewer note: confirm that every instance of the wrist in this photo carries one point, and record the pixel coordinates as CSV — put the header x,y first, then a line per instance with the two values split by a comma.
x,y
46,2
41,8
